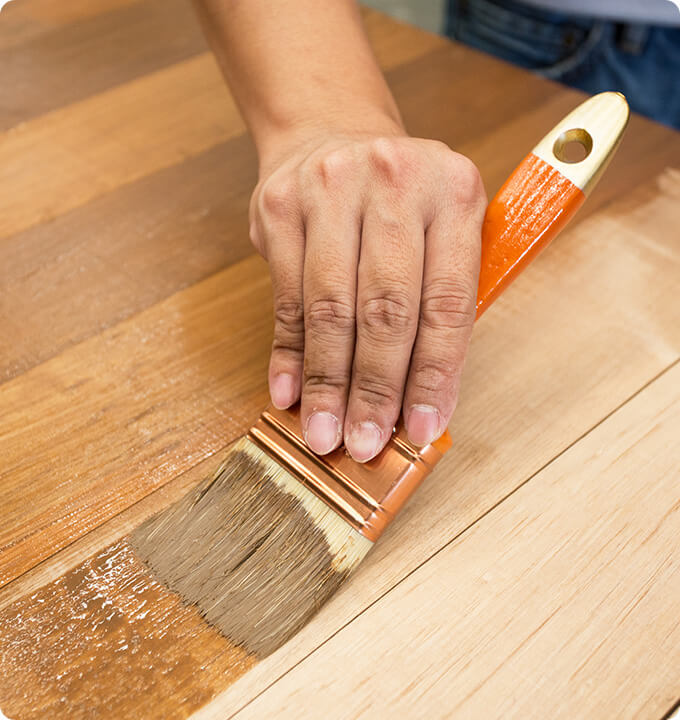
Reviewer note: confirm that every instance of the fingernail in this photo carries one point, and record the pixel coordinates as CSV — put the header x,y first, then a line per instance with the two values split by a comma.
x,y
363,442
322,433
423,424
282,390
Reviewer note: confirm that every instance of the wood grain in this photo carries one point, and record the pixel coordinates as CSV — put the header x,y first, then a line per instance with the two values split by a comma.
x,y
84,150
564,597
65,158
112,419
94,53
101,263
94,264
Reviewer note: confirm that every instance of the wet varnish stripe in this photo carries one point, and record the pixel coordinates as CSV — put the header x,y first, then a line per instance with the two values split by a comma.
x,y
107,640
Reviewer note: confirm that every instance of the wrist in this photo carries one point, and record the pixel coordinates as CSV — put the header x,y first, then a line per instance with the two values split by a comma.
x,y
277,140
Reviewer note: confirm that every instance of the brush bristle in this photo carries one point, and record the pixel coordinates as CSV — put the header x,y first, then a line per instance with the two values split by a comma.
x,y
253,549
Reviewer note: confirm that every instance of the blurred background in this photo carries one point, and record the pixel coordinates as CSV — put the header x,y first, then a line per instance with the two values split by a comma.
x,y
427,14
630,46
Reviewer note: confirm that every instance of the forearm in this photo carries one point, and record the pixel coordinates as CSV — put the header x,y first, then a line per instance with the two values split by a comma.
x,y
297,66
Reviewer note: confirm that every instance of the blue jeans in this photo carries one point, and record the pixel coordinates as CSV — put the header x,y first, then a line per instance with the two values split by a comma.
x,y
642,62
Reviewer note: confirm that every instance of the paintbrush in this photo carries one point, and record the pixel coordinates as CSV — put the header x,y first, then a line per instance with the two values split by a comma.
x,y
263,544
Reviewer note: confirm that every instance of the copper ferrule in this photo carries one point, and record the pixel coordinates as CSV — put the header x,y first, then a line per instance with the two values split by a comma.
x,y
367,495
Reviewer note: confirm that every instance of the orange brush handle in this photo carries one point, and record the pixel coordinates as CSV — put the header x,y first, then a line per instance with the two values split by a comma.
x,y
531,208
546,189
543,193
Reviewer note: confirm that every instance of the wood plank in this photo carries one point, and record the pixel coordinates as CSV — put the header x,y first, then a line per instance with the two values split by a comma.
x,y
90,54
52,268
61,160
28,19
109,532
93,54
563,600
64,280
67,280
586,317
110,420
105,427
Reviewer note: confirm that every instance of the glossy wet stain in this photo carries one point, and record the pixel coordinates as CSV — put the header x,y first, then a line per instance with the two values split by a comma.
x,y
108,639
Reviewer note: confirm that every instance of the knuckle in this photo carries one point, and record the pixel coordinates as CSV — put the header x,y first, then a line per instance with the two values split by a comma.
x,y
330,316
447,306
289,330
278,197
433,377
391,159
468,187
392,227
388,311
376,391
319,381
334,168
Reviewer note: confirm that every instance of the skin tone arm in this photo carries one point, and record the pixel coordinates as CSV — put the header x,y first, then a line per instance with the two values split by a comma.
x,y
372,237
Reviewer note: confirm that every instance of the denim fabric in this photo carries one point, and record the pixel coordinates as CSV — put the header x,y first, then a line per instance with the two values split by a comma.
x,y
642,62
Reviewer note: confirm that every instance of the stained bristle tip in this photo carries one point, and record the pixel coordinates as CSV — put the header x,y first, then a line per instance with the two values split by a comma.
x,y
253,549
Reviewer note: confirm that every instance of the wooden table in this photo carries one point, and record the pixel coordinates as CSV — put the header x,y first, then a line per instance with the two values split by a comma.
x,y
536,574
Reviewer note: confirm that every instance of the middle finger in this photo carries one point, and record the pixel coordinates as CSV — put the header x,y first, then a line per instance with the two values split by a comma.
x,y
388,295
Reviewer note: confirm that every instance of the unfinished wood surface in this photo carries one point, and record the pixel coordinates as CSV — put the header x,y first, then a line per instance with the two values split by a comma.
x,y
563,601
558,330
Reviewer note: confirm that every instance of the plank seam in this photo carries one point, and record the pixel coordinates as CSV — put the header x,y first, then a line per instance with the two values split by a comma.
x,y
673,712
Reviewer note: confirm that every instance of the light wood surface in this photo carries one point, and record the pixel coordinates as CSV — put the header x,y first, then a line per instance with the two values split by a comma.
x,y
564,597
135,323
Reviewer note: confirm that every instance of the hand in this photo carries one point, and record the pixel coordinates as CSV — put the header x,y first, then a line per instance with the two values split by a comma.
x,y
373,244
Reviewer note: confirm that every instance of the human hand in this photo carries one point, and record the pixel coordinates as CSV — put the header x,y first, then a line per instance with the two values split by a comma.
x,y
373,244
